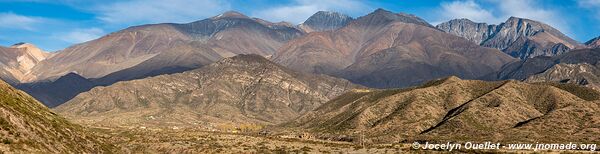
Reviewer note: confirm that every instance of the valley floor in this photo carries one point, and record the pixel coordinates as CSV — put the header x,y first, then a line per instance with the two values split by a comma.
x,y
196,141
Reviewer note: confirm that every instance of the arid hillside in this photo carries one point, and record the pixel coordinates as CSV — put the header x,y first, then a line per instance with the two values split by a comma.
x,y
245,89
452,109
27,126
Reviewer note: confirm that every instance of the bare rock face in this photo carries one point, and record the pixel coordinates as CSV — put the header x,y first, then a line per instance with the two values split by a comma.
x,y
245,89
325,21
518,37
17,61
210,39
593,43
385,49
472,31
27,126
452,110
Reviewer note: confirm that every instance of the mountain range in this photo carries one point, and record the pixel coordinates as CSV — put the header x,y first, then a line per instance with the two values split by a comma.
x,y
518,37
383,77
381,48
147,48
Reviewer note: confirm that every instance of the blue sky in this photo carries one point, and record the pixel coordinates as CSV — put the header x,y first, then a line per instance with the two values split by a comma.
x,y
55,24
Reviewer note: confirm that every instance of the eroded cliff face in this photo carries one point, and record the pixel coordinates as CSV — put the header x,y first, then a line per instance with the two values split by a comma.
x,y
245,89
518,37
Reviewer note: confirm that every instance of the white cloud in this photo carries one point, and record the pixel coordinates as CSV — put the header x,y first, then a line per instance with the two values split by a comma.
x,y
299,10
156,11
14,21
592,5
80,35
588,3
467,9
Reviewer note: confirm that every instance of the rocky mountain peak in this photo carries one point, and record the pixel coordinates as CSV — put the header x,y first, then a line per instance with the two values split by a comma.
x,y
37,53
325,20
472,31
593,43
519,37
382,16
230,14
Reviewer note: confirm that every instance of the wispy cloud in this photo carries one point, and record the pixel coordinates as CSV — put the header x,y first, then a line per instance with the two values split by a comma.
x,y
299,10
589,3
467,9
156,11
11,20
592,5
80,35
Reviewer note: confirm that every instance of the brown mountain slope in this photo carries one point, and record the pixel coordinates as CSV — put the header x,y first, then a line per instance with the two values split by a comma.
x,y
452,109
384,49
26,126
17,61
245,89
224,35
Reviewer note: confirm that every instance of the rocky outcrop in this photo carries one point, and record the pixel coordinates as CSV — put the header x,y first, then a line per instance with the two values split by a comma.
x,y
385,49
458,110
518,37
325,21
245,89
